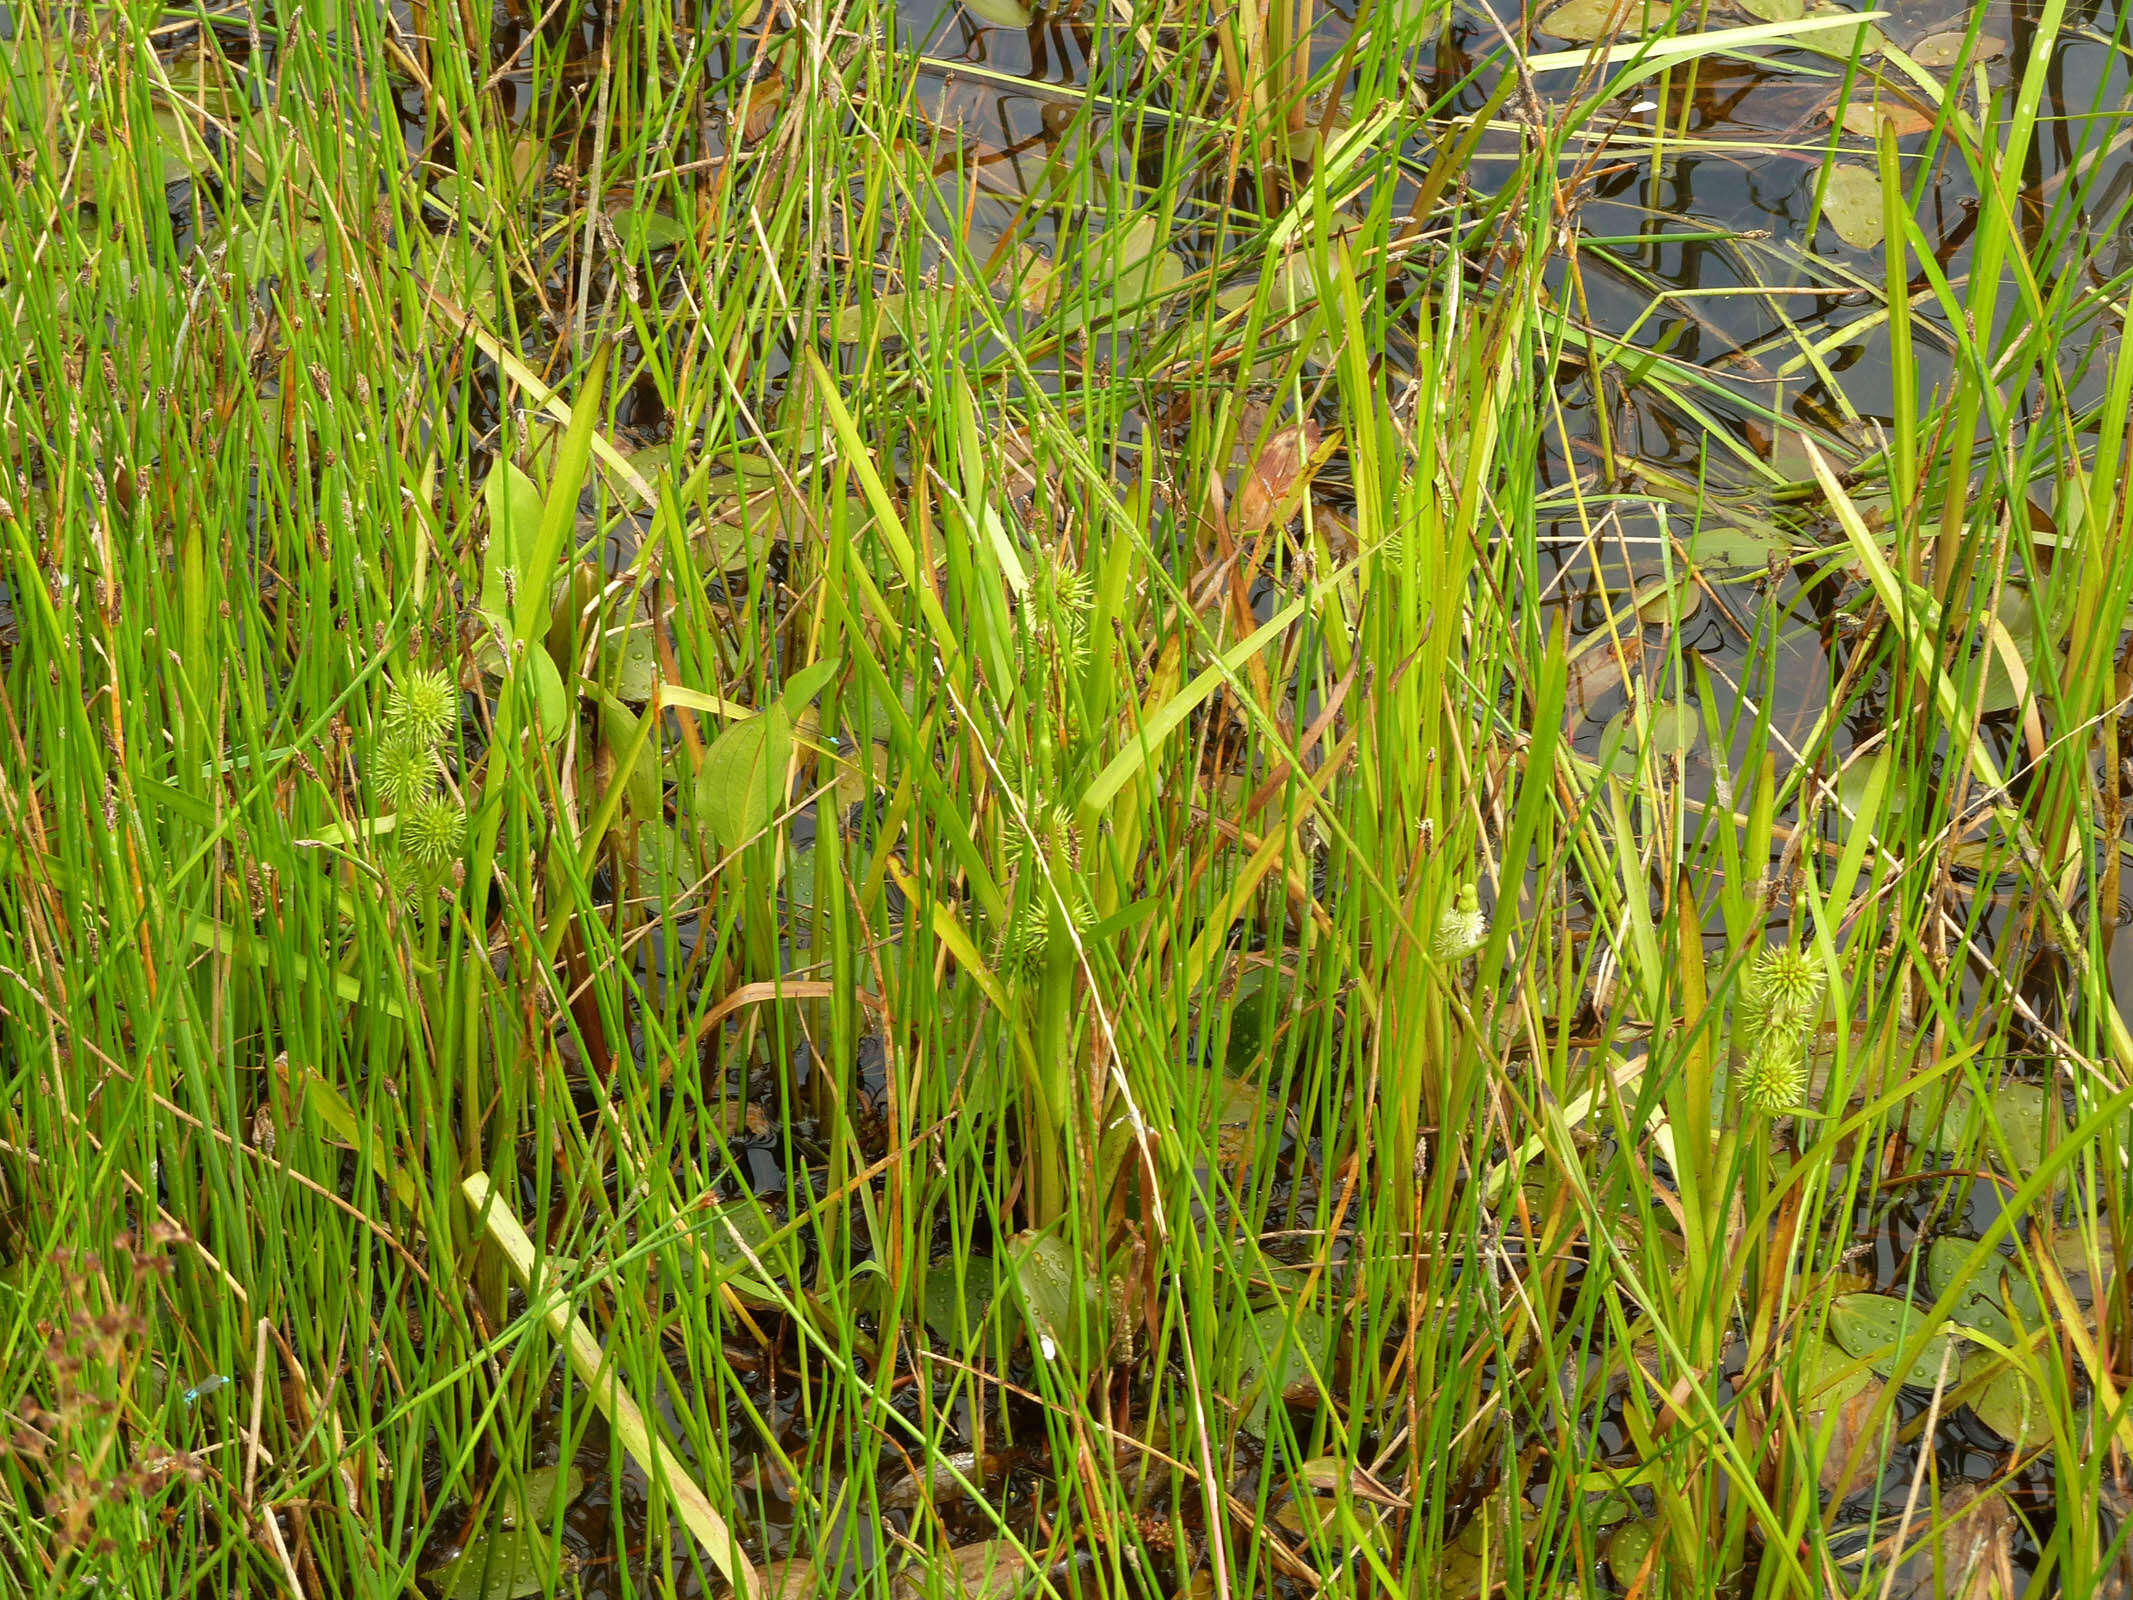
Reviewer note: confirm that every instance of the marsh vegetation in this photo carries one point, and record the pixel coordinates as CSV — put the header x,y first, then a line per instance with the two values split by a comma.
x,y
1159,799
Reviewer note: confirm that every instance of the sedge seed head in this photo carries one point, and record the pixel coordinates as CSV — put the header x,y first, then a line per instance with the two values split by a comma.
x,y
422,708
403,773
432,832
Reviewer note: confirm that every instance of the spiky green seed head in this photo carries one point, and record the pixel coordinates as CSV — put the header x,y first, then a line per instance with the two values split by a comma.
x,y
422,708
433,832
1044,827
1461,926
403,773
1775,1077
1055,611
1785,990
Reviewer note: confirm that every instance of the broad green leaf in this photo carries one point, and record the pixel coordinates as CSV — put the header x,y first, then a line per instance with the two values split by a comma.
x,y
1773,10
1587,20
742,779
1000,13
514,507
539,1498
1282,1359
1852,205
1067,1323
1828,1377
1875,1328
1987,1298
504,1565
805,684
994,1570
903,314
619,733
629,661
954,1315
2011,1406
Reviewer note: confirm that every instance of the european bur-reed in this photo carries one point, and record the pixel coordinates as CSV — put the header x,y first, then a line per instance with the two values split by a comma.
x,y
421,712
1780,1008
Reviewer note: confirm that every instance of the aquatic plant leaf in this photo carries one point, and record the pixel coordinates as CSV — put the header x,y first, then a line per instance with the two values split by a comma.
x,y
1627,1547
1852,205
1940,51
1065,1314
743,776
1583,21
1283,1352
505,1565
1828,1376
1001,13
514,507
1985,1302
1274,476
1774,10
1874,1328
541,1496
955,1313
901,314
1838,1428
619,736
993,1570
629,661
1865,117
2011,1406
808,682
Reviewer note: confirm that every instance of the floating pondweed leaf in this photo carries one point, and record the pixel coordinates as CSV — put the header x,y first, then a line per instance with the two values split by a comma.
x,y
908,315
505,1565
2013,1407
629,660
994,1570
1987,1296
1868,38
1273,478
1124,276
1069,1325
1939,51
540,1497
1628,1546
1774,10
1828,1376
1865,117
1001,13
1852,205
1283,1359
958,1295
1875,1328
1583,21
2017,612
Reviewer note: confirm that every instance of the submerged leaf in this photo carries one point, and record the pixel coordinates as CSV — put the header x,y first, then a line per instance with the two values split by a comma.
x,y
994,1570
